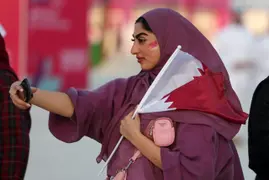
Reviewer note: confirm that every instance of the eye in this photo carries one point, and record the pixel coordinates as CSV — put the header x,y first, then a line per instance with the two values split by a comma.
x,y
142,40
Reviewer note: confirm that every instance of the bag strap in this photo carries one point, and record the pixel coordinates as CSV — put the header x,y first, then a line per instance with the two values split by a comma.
x,y
136,155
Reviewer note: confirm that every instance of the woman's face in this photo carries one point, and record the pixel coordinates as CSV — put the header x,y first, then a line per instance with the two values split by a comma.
x,y
145,47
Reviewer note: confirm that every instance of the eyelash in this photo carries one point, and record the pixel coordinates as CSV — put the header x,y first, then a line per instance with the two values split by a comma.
x,y
140,40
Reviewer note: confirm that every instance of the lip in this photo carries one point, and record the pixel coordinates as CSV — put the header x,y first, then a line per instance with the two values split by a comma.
x,y
140,59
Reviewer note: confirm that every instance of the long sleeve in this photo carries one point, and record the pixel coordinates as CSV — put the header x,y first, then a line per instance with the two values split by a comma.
x,y
14,133
93,112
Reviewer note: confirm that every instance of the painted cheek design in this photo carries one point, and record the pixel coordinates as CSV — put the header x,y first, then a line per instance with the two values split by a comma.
x,y
154,45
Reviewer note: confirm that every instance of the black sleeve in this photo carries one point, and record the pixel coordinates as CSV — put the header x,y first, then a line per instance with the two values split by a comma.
x,y
258,131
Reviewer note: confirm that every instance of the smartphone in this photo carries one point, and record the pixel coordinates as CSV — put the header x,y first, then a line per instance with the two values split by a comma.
x,y
25,84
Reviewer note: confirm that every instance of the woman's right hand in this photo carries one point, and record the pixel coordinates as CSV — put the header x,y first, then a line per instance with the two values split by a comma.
x,y
17,95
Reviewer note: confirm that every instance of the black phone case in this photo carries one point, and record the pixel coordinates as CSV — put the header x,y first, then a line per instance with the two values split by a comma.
x,y
27,90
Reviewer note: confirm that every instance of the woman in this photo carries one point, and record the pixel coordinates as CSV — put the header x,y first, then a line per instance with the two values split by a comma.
x,y
203,147
14,125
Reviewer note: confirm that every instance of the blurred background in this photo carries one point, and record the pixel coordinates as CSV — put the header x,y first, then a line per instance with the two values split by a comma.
x,y
85,43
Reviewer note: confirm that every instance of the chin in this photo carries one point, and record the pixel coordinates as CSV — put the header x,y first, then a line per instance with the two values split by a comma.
x,y
146,68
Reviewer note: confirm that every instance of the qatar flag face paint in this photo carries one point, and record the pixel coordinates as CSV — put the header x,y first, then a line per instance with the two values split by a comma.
x,y
154,45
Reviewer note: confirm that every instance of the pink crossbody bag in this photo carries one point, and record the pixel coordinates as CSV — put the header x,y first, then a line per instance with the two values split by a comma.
x,y
161,131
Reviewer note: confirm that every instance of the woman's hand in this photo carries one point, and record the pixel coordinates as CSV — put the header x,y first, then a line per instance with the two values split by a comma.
x,y
17,95
129,127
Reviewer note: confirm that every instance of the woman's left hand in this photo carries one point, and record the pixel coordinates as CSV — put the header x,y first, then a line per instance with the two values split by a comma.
x,y
129,127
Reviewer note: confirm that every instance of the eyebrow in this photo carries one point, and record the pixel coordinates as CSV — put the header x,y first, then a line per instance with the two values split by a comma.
x,y
140,34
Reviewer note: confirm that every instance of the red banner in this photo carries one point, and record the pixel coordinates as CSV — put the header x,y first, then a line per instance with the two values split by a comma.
x,y
13,26
58,43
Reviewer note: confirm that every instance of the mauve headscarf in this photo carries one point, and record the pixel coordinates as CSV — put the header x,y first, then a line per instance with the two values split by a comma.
x,y
171,30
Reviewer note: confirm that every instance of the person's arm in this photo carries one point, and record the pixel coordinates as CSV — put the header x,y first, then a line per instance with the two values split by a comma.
x,y
14,134
93,112
130,129
148,149
55,102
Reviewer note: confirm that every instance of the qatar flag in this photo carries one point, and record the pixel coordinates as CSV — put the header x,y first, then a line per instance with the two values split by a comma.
x,y
180,69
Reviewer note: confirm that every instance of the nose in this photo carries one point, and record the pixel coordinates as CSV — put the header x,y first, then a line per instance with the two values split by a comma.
x,y
135,49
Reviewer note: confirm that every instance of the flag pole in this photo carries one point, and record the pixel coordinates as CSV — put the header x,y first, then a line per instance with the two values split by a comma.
x,y
156,80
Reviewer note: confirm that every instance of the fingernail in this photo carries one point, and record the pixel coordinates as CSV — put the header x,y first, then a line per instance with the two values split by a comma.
x,y
21,90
